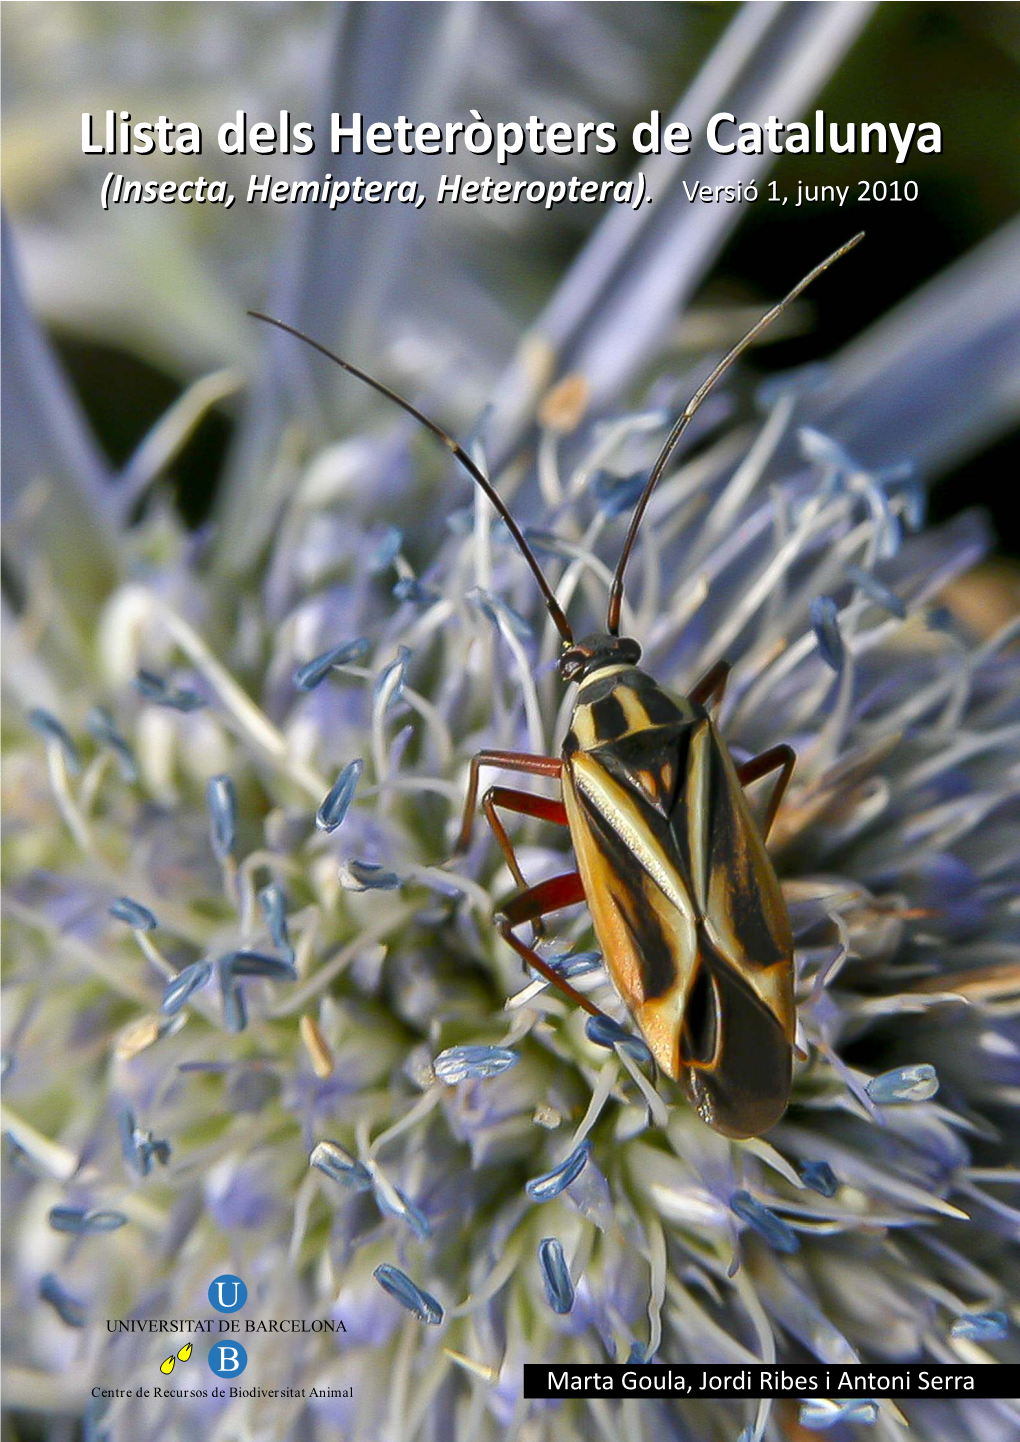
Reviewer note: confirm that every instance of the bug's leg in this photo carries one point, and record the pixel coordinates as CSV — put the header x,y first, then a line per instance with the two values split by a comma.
x,y
712,685
508,761
782,758
540,900
526,804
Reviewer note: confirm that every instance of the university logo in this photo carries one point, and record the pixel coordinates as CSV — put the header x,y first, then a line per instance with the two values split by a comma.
x,y
227,1359
228,1293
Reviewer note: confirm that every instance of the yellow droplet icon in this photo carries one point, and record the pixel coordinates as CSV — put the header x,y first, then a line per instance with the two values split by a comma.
x,y
167,1366
184,1353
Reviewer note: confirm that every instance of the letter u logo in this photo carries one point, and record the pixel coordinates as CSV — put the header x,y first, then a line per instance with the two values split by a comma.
x,y
227,1293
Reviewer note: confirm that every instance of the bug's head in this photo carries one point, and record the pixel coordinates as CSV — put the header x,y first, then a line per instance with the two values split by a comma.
x,y
581,658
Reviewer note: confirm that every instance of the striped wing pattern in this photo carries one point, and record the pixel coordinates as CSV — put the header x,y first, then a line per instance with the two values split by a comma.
x,y
684,899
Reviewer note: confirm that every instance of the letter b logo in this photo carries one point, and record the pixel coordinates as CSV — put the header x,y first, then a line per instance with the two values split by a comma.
x,y
228,1293
228,1359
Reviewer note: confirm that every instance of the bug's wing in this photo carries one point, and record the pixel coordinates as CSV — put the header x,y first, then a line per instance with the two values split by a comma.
x,y
733,877
743,996
635,880
690,916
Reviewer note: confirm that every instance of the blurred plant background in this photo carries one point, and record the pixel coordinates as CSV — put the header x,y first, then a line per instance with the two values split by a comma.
x,y
142,301
193,508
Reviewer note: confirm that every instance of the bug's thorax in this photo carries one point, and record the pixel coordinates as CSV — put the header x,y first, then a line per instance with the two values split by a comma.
x,y
617,701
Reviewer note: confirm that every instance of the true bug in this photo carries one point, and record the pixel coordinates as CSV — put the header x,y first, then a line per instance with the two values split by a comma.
x,y
673,867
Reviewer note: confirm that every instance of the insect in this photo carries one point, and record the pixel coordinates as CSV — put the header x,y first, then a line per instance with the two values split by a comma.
x,y
673,867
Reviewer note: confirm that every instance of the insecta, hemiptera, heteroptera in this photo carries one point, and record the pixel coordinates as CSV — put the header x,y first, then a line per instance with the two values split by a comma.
x,y
673,867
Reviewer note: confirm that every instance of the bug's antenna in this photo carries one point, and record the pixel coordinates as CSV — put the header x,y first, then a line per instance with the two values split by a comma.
x,y
474,471
616,592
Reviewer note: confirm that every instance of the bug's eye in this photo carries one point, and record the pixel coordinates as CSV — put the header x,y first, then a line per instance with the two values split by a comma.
x,y
572,663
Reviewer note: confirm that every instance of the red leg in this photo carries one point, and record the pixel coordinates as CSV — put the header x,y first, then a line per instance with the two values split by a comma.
x,y
775,757
537,901
526,804
712,685
508,761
